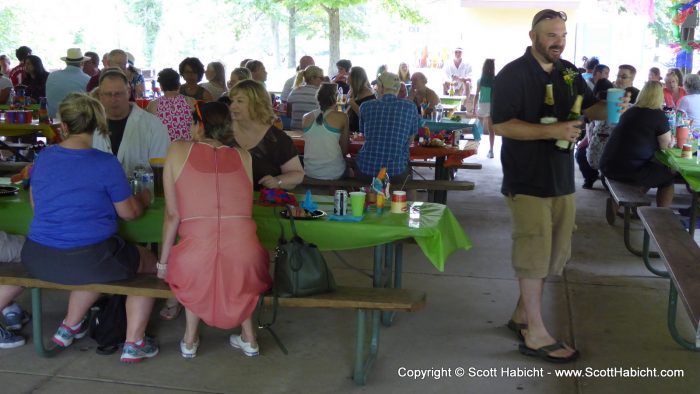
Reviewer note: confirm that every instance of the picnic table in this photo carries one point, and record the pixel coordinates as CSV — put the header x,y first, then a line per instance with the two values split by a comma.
x,y
690,171
436,230
27,129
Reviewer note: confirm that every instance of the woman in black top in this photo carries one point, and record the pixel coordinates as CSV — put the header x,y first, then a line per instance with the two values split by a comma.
x,y
36,78
360,91
629,154
276,162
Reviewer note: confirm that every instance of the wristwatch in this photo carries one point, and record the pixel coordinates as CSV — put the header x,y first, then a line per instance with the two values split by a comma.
x,y
161,266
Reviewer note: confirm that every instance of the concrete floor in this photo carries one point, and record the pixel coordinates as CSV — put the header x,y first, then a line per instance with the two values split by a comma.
x,y
606,304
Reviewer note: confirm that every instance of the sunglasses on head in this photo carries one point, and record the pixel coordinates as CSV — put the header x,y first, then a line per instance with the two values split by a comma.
x,y
548,14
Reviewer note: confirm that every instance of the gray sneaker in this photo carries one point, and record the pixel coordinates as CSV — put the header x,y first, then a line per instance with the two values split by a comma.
x,y
9,340
15,320
133,353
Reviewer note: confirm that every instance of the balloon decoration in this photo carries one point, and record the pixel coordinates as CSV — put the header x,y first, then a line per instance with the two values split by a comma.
x,y
681,10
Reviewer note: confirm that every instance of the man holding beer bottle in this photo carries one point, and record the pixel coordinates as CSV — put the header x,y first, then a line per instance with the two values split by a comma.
x,y
538,178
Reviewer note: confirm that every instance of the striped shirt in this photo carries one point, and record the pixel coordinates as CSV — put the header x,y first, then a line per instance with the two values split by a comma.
x,y
387,124
303,101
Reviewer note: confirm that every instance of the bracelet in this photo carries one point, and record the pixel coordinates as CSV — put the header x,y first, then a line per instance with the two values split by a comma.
x,y
161,266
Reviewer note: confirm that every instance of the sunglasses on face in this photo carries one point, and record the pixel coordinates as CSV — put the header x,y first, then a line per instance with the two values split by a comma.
x,y
548,14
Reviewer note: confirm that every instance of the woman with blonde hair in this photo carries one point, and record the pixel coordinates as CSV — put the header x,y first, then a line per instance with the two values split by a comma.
x,y
404,74
216,79
360,91
302,99
276,162
673,91
629,154
237,75
208,197
73,237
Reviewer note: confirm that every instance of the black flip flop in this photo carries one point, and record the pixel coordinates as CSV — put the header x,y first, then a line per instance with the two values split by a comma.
x,y
544,353
517,328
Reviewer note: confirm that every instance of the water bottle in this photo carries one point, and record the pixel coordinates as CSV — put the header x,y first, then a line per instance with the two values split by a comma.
x,y
148,181
438,110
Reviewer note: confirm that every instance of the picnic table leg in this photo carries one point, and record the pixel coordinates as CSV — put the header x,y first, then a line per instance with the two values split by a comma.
x,y
398,264
378,278
364,364
693,213
37,333
389,256
441,173
628,244
672,306
645,257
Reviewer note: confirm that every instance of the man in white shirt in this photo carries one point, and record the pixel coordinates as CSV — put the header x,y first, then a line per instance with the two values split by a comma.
x,y
135,136
459,73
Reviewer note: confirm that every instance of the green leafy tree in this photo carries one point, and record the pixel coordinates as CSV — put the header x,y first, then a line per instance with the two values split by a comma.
x,y
325,16
147,13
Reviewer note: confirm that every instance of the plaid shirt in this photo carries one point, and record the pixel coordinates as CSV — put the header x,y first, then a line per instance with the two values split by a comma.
x,y
388,123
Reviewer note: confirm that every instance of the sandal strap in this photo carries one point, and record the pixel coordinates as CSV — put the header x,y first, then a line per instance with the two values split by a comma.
x,y
551,348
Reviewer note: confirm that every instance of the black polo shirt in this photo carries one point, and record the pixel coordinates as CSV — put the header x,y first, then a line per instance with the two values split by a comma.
x,y
535,167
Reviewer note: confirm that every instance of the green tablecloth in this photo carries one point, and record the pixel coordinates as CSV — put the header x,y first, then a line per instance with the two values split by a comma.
x,y
688,168
437,232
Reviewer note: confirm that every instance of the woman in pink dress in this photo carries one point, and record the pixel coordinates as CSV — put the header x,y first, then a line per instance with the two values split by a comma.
x,y
218,268
173,109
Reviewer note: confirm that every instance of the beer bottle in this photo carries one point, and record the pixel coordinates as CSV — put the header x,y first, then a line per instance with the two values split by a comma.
x,y
574,114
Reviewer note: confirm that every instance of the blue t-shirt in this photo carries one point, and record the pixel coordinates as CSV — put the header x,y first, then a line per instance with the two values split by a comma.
x,y
74,191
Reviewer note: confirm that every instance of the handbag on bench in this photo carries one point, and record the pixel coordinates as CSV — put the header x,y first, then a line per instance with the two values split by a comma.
x,y
300,270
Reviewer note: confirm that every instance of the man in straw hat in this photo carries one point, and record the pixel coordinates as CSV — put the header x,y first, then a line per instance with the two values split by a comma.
x,y
70,79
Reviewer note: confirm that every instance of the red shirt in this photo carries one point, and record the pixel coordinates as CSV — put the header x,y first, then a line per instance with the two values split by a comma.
x,y
17,75
668,97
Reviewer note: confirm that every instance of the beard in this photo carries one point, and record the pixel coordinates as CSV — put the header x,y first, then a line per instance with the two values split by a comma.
x,y
544,51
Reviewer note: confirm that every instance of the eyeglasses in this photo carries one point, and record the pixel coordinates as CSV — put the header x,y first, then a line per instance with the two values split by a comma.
x,y
622,76
548,14
113,94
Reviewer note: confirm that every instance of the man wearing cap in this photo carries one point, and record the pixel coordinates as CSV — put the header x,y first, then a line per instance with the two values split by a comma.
x,y
389,124
538,179
135,136
459,73
70,79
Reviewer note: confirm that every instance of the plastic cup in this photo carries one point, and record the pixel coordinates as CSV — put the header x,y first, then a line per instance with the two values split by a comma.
x,y
681,136
357,203
613,99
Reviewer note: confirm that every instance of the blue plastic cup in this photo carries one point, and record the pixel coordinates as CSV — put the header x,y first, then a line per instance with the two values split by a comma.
x,y
613,98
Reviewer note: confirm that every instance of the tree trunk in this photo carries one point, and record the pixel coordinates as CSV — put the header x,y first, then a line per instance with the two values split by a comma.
x,y
292,58
276,40
334,39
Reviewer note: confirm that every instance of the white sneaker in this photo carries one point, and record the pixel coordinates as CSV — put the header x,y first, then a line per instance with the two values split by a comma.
x,y
188,353
237,342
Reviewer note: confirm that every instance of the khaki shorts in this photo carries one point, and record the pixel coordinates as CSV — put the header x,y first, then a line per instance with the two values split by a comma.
x,y
542,229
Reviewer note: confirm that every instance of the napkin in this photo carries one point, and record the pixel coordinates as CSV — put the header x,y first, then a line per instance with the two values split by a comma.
x,y
309,204
345,218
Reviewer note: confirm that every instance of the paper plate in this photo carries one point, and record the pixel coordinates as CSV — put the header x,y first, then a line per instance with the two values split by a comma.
x,y
8,190
317,214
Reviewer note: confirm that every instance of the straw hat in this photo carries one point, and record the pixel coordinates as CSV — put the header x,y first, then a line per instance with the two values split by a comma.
x,y
74,55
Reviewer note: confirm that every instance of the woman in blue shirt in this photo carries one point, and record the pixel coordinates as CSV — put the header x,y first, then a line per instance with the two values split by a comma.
x,y
73,237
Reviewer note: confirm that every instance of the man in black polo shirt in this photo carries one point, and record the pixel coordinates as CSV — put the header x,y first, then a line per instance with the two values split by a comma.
x,y
538,179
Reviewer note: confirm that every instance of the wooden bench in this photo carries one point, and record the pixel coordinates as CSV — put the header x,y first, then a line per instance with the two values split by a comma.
x,y
363,299
411,184
431,164
630,198
682,258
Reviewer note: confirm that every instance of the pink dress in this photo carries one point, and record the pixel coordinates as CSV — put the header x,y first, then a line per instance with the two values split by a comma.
x,y
176,115
218,268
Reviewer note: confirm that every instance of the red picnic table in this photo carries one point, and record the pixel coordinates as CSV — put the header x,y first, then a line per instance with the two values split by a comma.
x,y
446,157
